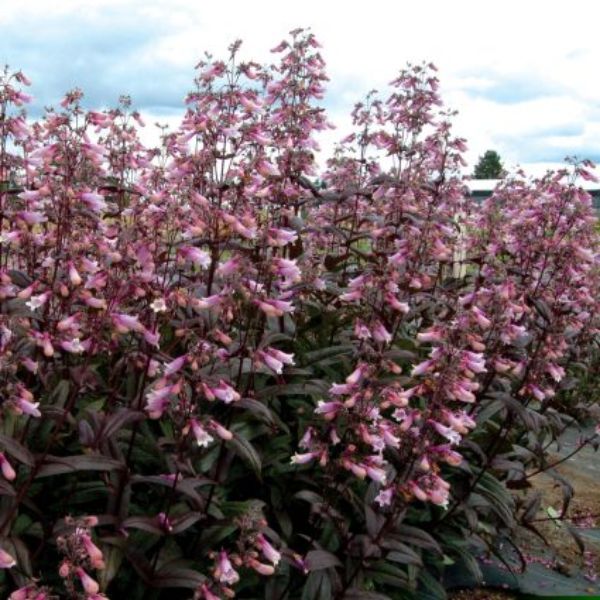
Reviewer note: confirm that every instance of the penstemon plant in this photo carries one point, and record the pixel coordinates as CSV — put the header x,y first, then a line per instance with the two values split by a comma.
x,y
222,376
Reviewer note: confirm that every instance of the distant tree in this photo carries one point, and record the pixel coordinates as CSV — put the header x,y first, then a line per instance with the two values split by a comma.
x,y
489,166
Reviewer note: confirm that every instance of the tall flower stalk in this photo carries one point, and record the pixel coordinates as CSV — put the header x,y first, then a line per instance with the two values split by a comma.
x,y
221,374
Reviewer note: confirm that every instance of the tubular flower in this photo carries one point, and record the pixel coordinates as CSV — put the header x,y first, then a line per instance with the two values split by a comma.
x,y
224,571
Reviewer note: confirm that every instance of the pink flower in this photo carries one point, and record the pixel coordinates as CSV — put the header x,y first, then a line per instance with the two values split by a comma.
x,y
351,296
481,318
284,357
587,175
422,368
74,346
125,323
275,308
555,371
164,522
433,334
460,422
29,195
31,217
267,169
450,434
339,389
159,305
275,359
271,362
229,267
203,438
24,403
389,438
281,237
74,276
6,560
224,571
417,492
267,549
384,497
207,594
157,401
474,361
98,303
208,302
94,201
361,331
536,392
196,256
94,553
175,365
89,585
329,410
381,334
223,433
36,302
376,473
393,302
287,269
448,455
31,365
302,459
29,592
7,471
68,323
260,567
225,392
357,375
358,470
22,78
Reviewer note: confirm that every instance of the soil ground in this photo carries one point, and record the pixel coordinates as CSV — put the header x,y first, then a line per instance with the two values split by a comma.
x,y
583,472
562,553
481,595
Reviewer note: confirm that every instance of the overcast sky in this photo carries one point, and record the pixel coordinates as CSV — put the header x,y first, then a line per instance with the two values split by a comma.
x,y
524,75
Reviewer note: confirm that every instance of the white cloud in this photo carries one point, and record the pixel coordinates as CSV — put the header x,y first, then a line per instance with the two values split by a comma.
x,y
520,73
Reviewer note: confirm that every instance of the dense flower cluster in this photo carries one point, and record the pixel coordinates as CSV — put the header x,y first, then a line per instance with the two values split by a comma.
x,y
193,336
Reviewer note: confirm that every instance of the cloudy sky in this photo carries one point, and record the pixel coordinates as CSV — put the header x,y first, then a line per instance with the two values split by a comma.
x,y
522,74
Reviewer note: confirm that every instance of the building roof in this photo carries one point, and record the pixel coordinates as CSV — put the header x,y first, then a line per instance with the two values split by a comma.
x,y
488,185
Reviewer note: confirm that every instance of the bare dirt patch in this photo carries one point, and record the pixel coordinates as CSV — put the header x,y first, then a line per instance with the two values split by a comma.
x,y
481,595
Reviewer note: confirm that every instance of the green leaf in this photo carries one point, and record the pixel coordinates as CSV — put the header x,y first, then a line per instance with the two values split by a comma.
x,y
383,572
531,507
120,419
317,587
309,388
404,555
177,577
17,450
149,524
184,522
356,594
57,465
500,500
113,557
262,412
309,496
6,489
429,588
315,356
60,393
246,451
417,537
321,559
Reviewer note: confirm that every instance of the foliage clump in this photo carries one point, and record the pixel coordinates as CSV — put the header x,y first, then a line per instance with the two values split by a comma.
x,y
220,378
489,166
